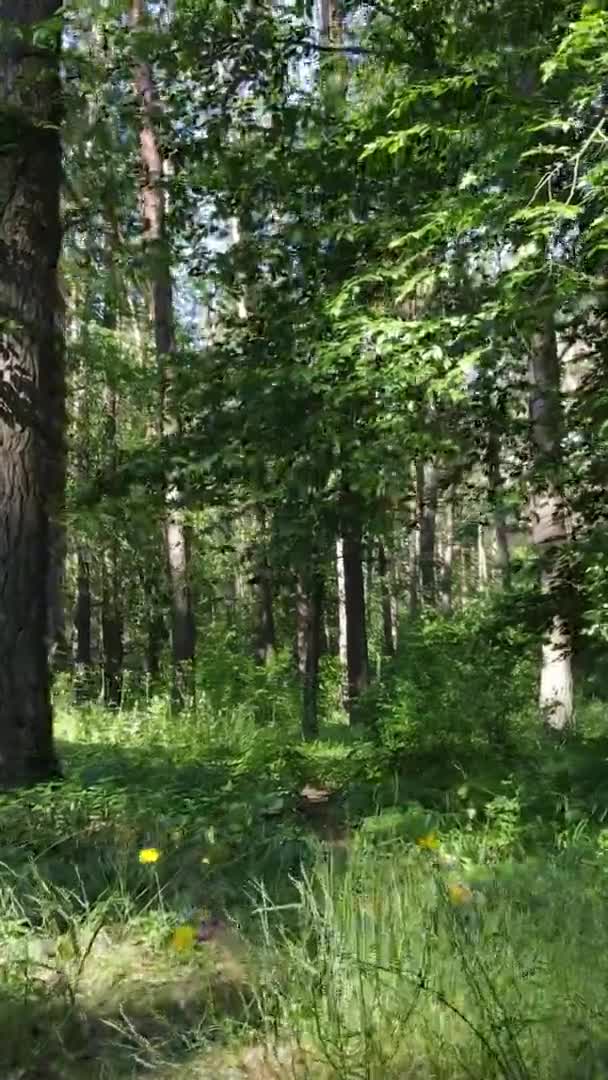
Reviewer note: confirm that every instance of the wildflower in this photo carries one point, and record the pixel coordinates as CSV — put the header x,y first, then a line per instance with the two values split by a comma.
x,y
149,855
205,860
460,894
183,938
430,841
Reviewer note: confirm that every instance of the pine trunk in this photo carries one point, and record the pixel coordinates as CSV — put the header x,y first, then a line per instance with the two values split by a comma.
x,y
482,559
32,385
357,664
445,595
176,538
111,628
428,484
549,527
501,535
342,652
388,640
82,613
309,615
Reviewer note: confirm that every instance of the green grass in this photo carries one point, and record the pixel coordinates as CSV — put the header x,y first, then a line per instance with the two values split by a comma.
x,y
343,954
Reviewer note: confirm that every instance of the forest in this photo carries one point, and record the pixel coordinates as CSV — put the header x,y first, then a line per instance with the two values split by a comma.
x,y
303,549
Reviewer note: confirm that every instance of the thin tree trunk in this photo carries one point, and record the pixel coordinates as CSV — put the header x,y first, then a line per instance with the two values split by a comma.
x,y
266,641
32,395
111,628
309,615
357,663
445,596
176,536
501,535
428,484
549,527
388,640
265,630
342,651
82,613
482,559
59,654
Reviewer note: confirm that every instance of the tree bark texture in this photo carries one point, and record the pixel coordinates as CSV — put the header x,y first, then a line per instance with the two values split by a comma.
x,y
32,393
549,526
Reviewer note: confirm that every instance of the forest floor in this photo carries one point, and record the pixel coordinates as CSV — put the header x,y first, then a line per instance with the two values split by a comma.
x,y
356,922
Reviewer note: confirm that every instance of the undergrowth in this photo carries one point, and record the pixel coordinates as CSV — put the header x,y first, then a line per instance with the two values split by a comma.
x,y
442,916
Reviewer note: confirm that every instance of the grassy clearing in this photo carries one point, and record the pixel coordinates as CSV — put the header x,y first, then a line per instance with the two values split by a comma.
x,y
443,920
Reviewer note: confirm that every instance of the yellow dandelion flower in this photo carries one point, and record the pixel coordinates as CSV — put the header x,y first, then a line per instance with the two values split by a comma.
x,y
430,841
460,894
183,938
149,855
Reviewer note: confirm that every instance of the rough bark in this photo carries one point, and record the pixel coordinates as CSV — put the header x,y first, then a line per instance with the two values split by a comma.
x,y
357,664
388,641
309,616
31,386
176,535
549,526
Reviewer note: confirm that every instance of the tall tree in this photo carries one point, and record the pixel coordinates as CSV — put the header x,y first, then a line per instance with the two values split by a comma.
x,y
177,539
31,380
549,525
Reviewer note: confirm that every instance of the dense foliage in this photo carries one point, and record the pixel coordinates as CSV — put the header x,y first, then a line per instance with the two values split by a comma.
x,y
326,606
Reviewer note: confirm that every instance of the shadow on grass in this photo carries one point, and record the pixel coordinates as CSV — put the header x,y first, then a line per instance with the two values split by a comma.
x,y
49,1036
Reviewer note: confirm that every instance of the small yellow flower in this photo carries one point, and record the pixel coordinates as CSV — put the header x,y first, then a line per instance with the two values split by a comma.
x,y
149,855
460,894
205,861
430,842
183,938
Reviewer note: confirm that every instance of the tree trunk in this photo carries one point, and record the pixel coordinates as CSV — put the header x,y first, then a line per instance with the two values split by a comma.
x,y
549,526
111,629
482,559
32,398
265,632
177,545
388,640
154,646
309,615
59,653
501,536
82,626
342,651
428,484
445,595
357,664
265,637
